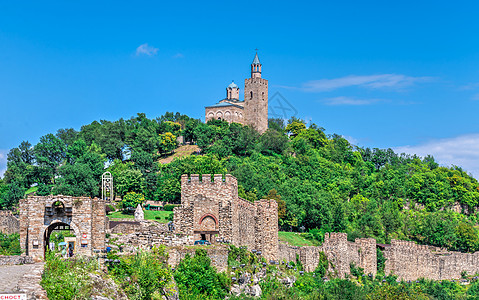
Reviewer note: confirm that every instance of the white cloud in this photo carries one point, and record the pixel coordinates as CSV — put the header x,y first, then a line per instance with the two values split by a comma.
x,y
470,86
350,139
367,81
3,161
146,49
462,151
178,55
341,100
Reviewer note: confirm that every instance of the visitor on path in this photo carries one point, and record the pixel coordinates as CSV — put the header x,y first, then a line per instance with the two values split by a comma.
x,y
70,251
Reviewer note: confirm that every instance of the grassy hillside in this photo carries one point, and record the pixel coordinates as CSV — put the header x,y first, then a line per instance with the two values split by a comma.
x,y
320,181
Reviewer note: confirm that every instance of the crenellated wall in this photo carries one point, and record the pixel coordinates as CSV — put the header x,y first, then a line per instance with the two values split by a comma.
x,y
405,259
410,261
211,209
339,251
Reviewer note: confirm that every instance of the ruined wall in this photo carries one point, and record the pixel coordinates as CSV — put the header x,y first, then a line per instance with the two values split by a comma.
x,y
15,260
217,254
86,219
8,222
144,235
410,261
340,254
308,255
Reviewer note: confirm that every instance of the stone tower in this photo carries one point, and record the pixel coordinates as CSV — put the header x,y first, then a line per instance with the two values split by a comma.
x,y
232,91
256,98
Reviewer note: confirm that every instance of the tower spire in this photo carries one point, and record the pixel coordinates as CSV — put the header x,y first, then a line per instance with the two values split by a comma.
x,y
256,67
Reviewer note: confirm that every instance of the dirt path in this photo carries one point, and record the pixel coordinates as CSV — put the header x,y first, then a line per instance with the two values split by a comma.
x,y
11,275
22,279
181,151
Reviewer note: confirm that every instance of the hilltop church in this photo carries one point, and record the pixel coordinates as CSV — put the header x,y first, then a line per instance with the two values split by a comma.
x,y
253,110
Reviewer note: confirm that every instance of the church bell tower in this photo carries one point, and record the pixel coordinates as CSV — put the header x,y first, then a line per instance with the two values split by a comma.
x,y
256,98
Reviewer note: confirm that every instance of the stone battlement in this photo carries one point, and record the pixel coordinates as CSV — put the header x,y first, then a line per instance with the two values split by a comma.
x,y
207,178
256,80
5,213
211,210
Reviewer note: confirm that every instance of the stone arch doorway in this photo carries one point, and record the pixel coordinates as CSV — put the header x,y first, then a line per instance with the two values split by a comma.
x,y
58,233
41,215
208,227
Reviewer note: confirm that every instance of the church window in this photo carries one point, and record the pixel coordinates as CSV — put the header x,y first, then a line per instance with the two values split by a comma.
x,y
251,94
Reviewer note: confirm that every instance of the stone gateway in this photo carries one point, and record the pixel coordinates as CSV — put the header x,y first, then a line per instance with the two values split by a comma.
x,y
39,216
211,210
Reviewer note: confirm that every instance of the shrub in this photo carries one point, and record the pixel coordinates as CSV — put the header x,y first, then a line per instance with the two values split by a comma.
x,y
132,199
66,279
144,275
169,207
109,208
197,279
10,244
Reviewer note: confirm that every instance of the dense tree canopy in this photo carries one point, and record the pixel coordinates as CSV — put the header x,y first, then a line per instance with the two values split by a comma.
x,y
321,181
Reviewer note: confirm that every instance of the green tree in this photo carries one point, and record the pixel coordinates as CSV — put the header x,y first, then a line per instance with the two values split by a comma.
x,y
197,279
467,237
129,180
12,195
167,142
273,194
49,153
295,128
132,199
67,135
273,141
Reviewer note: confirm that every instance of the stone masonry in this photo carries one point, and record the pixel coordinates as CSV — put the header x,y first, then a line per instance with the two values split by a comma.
x,y
40,215
211,209
217,254
339,251
404,259
410,261
253,110
8,222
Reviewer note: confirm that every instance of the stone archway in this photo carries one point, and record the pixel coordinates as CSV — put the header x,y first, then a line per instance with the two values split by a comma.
x,y
58,225
39,215
208,227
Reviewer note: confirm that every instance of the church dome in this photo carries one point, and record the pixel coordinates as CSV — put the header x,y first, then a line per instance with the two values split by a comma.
x,y
233,85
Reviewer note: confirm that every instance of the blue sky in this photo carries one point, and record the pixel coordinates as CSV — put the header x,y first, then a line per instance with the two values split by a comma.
x,y
403,75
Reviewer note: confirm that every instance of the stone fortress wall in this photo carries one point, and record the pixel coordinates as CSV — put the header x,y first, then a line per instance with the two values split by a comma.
x,y
85,216
339,251
8,222
211,209
218,256
404,259
411,261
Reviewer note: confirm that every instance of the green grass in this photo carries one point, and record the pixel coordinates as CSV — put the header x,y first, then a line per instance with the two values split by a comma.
x,y
159,216
294,239
31,190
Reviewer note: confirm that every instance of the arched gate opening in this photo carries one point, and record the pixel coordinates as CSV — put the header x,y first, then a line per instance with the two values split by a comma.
x,y
60,237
